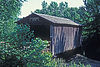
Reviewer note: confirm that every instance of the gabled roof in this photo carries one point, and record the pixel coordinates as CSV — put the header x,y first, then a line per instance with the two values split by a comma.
x,y
53,19
58,20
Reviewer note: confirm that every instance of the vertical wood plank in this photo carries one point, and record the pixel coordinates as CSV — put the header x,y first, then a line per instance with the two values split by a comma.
x,y
65,38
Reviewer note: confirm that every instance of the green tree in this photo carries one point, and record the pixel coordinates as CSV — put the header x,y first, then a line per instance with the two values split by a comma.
x,y
9,11
44,5
48,9
93,12
88,17
52,9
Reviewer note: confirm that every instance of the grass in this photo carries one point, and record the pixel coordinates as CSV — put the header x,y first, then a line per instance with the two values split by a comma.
x,y
61,63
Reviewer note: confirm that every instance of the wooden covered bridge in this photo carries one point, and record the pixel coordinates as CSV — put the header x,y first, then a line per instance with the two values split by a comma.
x,y
63,33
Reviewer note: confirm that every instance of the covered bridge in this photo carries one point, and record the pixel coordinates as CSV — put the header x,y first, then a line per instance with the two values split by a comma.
x,y
63,33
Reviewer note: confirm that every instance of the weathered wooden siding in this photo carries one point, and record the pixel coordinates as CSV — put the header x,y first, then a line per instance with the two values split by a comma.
x,y
64,38
51,38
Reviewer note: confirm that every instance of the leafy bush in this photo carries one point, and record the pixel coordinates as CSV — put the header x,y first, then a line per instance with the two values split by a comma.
x,y
18,47
22,49
57,62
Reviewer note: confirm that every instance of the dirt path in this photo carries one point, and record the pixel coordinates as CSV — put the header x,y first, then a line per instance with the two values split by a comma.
x,y
84,60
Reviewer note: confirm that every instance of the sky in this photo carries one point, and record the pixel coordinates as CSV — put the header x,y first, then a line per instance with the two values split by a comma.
x,y
31,5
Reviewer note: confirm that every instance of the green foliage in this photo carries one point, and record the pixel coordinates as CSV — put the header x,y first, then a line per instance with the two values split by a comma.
x,y
58,62
78,65
89,17
93,9
53,8
9,10
44,5
23,49
18,47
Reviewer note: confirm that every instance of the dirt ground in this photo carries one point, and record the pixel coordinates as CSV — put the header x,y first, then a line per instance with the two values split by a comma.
x,y
84,60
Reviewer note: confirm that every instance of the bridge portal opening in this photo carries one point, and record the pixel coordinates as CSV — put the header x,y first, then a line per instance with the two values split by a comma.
x,y
41,31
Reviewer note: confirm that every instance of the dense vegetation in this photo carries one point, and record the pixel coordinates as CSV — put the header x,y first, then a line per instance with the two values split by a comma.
x,y
15,46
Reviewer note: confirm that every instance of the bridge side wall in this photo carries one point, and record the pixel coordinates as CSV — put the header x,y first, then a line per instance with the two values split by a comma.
x,y
64,38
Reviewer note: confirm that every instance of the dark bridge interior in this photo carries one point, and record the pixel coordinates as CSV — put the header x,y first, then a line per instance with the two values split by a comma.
x,y
41,31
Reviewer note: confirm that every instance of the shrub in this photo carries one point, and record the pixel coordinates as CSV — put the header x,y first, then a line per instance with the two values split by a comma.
x,y
22,49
